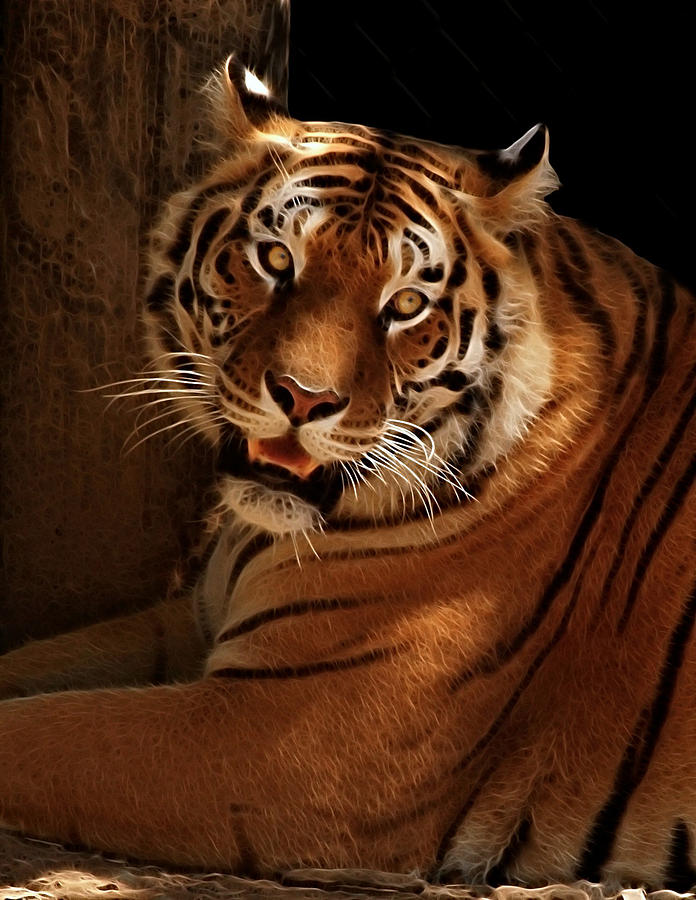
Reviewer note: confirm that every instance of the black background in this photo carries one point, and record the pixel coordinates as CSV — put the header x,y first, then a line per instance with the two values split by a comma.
x,y
615,89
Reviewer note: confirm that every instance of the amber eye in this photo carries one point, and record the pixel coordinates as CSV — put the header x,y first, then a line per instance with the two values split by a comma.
x,y
407,303
276,259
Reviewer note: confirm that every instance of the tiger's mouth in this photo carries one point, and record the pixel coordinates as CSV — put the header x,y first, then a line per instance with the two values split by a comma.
x,y
280,465
284,452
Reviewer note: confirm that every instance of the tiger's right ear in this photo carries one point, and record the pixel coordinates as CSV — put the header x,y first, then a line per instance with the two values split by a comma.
x,y
241,104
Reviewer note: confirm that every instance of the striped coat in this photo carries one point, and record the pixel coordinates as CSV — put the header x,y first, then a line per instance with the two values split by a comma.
x,y
443,615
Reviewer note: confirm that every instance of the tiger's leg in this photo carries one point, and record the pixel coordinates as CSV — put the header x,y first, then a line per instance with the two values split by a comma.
x,y
248,775
153,646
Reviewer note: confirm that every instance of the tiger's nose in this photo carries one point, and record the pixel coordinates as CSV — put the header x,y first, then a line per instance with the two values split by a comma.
x,y
300,404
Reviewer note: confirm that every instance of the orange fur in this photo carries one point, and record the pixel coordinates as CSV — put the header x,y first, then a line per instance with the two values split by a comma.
x,y
406,677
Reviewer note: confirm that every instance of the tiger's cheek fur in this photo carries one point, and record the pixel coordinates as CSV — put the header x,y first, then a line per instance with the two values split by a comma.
x,y
424,349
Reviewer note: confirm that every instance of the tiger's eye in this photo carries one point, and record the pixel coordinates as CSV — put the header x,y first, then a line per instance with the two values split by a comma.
x,y
408,303
275,258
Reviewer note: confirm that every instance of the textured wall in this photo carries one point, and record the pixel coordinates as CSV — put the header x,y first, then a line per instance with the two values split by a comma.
x,y
100,122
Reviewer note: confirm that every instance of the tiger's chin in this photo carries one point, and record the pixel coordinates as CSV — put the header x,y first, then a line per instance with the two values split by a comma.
x,y
272,496
279,512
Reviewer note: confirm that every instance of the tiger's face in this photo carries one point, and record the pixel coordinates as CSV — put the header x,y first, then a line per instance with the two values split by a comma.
x,y
338,310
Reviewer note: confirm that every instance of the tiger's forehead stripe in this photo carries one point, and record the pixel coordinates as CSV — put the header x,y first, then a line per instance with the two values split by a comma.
x,y
366,171
347,176
182,241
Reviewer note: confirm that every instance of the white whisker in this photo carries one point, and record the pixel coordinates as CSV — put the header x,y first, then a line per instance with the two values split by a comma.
x,y
150,403
150,391
395,423
187,434
443,472
396,465
293,537
179,423
345,471
311,545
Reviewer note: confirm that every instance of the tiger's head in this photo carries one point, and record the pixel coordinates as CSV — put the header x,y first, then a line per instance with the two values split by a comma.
x,y
341,311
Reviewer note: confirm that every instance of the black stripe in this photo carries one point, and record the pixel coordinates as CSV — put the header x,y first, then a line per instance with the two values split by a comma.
x,y
432,274
250,201
340,138
161,293
186,294
639,344
613,253
222,262
255,546
498,723
396,161
417,154
346,203
660,338
453,380
299,608
409,211
458,274
639,751
585,303
421,191
453,828
478,402
380,654
578,257
322,180
418,241
207,235
495,340
499,874
490,282
647,486
182,241
366,159
462,225
439,348
681,873
670,510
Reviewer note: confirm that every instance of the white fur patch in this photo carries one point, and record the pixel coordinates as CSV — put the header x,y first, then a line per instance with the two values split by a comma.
x,y
278,512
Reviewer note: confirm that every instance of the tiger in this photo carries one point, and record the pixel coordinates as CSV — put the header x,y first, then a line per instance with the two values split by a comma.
x,y
442,616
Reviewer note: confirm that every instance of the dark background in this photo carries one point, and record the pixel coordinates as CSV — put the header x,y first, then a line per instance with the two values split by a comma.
x,y
616,91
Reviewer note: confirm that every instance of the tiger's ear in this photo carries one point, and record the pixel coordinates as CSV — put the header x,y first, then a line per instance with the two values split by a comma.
x,y
516,181
241,104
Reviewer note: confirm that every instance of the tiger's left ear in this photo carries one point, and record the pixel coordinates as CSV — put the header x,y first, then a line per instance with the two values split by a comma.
x,y
241,104
516,181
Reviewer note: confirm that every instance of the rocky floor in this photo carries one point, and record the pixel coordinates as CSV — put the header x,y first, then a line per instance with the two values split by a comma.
x,y
38,870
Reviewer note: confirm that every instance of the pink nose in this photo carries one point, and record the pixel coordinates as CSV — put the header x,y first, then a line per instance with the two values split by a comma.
x,y
299,404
